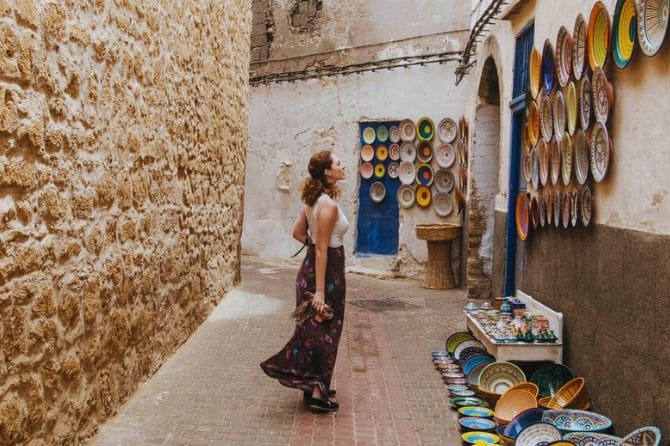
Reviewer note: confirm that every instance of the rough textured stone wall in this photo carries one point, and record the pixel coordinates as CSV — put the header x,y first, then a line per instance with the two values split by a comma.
x,y
122,152
262,31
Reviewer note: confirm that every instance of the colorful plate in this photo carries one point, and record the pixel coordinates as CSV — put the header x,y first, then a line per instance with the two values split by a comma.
x,y
473,376
566,160
445,155
369,135
407,130
462,401
443,204
598,36
475,411
579,35
382,133
466,344
585,102
380,170
571,107
470,363
624,32
546,118
528,166
406,173
377,192
367,152
424,175
581,148
425,129
394,152
592,439
652,25
571,420
645,436
559,116
535,72
555,149
586,206
497,377
424,152
367,170
447,130
408,152
548,68
600,151
457,338
444,180
543,157
394,134
549,198
423,196
538,433
533,123
563,56
476,424
393,170
521,217
603,95
382,152
405,196
480,438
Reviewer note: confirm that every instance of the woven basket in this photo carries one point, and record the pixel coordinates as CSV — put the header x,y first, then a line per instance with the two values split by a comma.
x,y
437,231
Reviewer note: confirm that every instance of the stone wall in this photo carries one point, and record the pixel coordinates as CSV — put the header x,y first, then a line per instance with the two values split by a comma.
x,y
122,152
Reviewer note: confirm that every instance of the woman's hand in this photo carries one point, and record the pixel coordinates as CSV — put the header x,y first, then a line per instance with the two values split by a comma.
x,y
319,302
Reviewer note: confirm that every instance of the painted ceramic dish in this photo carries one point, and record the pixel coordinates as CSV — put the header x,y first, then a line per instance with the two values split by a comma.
x,y
394,134
592,439
380,170
598,36
424,152
393,170
534,213
425,129
652,25
445,155
424,174
394,152
382,152
566,160
581,158
538,433
369,135
452,387
423,198
467,393
470,363
497,377
471,352
548,67
563,56
512,403
367,152
377,192
480,438
586,206
382,133
543,156
624,32
555,149
559,116
533,123
444,180
406,173
462,401
535,72
645,436
542,205
557,208
447,130
528,167
603,95
475,411
407,130
572,395
568,420
546,118
454,380
585,102
575,206
600,151
566,207
457,338
579,35
521,218
535,163
407,152
571,107
466,344
473,376
443,204
521,421
476,424
367,170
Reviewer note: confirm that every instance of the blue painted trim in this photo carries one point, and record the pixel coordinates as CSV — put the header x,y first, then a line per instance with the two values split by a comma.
x,y
513,191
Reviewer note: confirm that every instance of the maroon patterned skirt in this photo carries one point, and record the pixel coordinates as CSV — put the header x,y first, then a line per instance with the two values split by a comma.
x,y
309,357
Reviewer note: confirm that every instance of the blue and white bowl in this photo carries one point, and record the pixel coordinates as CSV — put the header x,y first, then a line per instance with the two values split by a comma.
x,y
592,439
572,420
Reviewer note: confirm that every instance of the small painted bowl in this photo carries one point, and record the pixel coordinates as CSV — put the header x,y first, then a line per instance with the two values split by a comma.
x,y
463,401
571,420
476,424
592,439
479,437
463,393
452,387
455,380
475,411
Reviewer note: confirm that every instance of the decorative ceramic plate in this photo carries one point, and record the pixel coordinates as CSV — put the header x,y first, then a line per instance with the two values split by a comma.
x,y
528,166
585,102
425,129
535,72
570,420
581,146
542,205
535,175
536,434
599,36
445,155
447,130
579,34
563,56
455,380
424,175
525,418
448,374
423,196
543,155
461,401
624,32
497,377
600,151
533,123
559,116
557,208
394,152
424,152
574,200
471,352
443,204
367,152
465,344
475,411
592,439
382,152
382,133
566,160
476,424
408,152
512,403
473,376
394,134
603,95
393,170
467,393
457,338
380,170
452,387
470,363
369,135
444,180
652,25
367,170
645,436
534,213
548,68
407,172
405,196
549,199
566,208
556,149
546,118
586,209
480,438
377,192
571,107
522,217
407,130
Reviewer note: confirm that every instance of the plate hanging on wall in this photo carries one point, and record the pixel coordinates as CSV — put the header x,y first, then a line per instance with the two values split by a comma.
x,y
579,35
534,213
367,152
424,152
600,151
559,115
535,164
557,208
544,155
574,200
603,95
598,36
528,166
394,134
535,72
546,118
447,130
566,207
423,196
407,173
393,170
424,174
542,208
382,152
408,152
555,160
380,170
425,129
444,180
367,170
624,32
581,147
369,135
443,204
382,133
405,196
394,152
445,155
407,130
586,209
377,192
548,67
563,56
652,25
585,102
566,160
533,123
522,215
571,107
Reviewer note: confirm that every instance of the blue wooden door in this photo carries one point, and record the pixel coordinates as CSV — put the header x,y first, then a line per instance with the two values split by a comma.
x,y
377,226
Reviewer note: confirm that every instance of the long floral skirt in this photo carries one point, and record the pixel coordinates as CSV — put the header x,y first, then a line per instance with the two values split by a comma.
x,y
309,357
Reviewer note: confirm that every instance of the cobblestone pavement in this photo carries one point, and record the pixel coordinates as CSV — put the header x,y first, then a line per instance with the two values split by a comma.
x,y
212,391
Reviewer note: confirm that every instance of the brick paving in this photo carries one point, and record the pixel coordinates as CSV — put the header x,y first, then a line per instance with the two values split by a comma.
x,y
212,392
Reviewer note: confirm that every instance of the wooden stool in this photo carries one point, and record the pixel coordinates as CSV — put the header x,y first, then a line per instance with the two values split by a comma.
x,y
439,274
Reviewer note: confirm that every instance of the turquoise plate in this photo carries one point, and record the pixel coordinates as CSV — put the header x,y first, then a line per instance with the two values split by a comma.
x,y
476,424
462,401
479,437
475,411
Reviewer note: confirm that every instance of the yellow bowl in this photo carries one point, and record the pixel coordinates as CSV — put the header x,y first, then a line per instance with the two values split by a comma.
x,y
598,35
528,387
512,403
571,396
534,72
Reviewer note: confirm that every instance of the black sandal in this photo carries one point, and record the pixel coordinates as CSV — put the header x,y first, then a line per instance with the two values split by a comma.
x,y
308,394
322,405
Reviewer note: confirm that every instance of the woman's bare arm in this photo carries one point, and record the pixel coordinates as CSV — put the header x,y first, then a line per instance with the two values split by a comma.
x,y
300,228
326,218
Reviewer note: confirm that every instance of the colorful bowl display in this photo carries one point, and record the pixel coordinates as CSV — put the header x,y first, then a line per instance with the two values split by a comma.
x,y
533,434
407,130
521,218
572,395
566,159
568,421
652,25
512,403
476,424
598,36
473,361
535,72
423,199
480,438
548,67
475,411
456,338
624,32
377,192
592,439
462,401
644,436
498,377
424,174
424,152
425,129
579,36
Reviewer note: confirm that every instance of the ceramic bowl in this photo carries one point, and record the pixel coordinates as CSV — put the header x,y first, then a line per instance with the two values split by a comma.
x,y
425,129
568,420
571,396
473,375
523,420
544,402
473,361
452,387
448,366
462,401
498,377
475,411
463,393
652,26
536,433
550,378
471,352
476,424
448,374
527,386
466,344
512,403
592,439
500,431
455,380
479,437
644,436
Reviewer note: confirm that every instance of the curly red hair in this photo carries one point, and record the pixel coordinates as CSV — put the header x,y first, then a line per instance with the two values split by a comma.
x,y
317,183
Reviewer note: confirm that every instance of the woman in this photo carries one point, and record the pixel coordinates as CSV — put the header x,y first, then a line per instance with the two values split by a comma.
x,y
308,359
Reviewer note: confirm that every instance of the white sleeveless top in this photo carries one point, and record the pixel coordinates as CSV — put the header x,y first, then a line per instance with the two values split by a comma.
x,y
341,225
